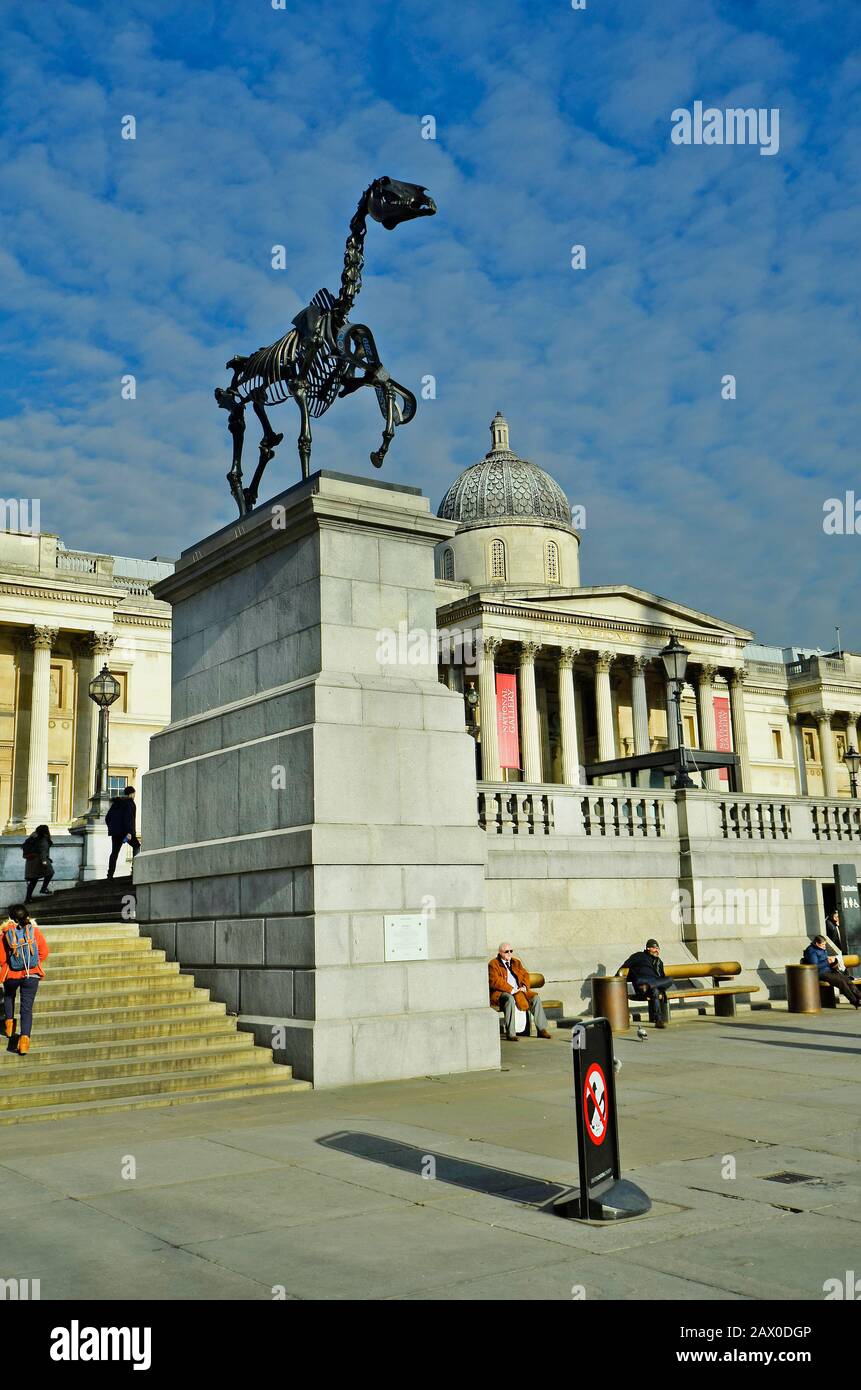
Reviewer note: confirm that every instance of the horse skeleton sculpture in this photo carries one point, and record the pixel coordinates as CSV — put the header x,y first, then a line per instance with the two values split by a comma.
x,y
321,355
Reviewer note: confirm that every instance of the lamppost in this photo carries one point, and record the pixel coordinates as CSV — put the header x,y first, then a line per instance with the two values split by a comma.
x,y
675,659
852,759
471,699
104,690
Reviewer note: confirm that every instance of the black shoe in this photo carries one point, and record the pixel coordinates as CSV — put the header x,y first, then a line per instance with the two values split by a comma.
x,y
659,1023
46,893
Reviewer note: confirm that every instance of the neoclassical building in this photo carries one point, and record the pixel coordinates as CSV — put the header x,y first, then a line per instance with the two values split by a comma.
x,y
585,683
63,614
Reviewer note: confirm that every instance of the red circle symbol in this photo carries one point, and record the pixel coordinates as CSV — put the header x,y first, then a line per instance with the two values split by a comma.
x,y
595,1104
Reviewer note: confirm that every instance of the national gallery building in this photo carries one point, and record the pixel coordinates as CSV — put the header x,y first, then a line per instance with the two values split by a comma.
x,y
571,675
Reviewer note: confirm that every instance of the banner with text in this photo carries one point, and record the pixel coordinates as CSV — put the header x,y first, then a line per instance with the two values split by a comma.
x,y
723,730
506,720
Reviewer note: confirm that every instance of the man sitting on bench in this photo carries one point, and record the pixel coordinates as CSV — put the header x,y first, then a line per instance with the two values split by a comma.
x,y
510,992
646,974
817,954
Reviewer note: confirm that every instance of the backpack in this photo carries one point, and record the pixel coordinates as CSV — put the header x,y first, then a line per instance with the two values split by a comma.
x,y
22,953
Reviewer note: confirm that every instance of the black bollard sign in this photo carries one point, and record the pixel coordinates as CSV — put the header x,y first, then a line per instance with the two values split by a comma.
x,y
849,907
604,1194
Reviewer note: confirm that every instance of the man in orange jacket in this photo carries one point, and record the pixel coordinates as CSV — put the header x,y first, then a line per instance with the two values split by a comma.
x,y
510,992
23,949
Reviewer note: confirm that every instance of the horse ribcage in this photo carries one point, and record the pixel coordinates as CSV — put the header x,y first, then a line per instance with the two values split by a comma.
x,y
272,368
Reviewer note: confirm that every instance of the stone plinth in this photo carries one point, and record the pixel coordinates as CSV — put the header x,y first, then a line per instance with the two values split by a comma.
x,y
315,778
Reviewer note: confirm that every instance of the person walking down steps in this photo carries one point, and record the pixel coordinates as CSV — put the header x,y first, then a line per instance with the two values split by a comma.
x,y
38,864
23,952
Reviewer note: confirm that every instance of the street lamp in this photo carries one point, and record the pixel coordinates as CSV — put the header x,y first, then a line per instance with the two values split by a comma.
x,y
852,759
471,698
104,690
675,659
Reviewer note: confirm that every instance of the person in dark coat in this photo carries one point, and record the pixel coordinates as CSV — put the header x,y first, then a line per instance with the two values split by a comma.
x,y
121,821
36,850
817,954
646,974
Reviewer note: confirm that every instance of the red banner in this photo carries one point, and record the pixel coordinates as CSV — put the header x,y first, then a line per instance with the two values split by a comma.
x,y
506,720
723,730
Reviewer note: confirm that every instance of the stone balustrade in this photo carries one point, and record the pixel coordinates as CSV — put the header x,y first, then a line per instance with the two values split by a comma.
x,y
628,814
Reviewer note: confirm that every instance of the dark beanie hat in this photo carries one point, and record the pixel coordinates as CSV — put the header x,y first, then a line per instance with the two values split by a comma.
x,y
651,942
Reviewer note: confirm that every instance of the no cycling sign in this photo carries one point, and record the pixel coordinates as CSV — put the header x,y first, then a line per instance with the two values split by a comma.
x,y
604,1194
595,1104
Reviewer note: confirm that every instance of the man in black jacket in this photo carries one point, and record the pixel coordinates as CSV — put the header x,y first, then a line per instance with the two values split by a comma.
x,y
646,974
121,820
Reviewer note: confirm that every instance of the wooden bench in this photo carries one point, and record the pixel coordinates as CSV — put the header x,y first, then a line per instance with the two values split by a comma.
x,y
828,992
552,1007
724,995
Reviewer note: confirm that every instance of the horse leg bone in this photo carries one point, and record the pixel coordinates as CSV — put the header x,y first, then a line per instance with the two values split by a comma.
x,y
388,433
236,426
299,394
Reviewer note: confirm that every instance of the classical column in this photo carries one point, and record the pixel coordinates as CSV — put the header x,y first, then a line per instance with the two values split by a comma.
x,y
604,706
38,796
490,769
797,739
826,751
529,731
738,675
708,731
568,717
640,713
16,824
852,731
92,652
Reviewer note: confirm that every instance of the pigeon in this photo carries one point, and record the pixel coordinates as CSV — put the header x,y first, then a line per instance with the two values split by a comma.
x,y
642,1034
617,1065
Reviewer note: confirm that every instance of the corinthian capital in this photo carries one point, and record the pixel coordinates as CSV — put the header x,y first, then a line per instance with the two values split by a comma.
x,y
490,646
605,661
567,657
528,652
707,674
42,639
738,675
640,664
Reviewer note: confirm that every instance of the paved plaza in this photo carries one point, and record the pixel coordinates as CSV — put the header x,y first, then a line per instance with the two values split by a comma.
x,y
320,1195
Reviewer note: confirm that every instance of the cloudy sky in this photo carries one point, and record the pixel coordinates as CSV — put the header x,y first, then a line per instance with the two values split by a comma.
x,y
258,126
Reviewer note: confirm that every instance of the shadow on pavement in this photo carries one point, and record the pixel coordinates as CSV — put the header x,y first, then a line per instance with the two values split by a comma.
x,y
458,1172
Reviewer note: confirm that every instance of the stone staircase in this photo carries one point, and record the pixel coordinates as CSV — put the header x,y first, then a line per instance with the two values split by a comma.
x,y
117,1027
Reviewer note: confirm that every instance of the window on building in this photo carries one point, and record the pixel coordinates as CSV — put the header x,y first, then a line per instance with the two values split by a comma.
x,y
497,560
57,687
121,704
690,731
116,782
840,740
809,746
54,792
448,564
551,562
777,742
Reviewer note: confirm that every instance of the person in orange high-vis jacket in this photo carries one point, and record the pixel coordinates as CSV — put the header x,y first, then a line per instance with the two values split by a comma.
x,y
23,952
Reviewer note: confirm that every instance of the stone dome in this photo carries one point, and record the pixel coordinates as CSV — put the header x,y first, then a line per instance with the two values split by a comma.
x,y
502,488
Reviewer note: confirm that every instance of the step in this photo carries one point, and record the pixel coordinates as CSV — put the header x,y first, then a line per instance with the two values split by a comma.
x,y
35,1069
252,1089
97,947
121,962
181,1023
91,931
55,1046
156,973
197,1005
64,999
199,1077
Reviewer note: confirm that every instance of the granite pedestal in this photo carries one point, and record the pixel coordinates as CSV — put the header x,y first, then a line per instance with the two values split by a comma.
x,y
315,779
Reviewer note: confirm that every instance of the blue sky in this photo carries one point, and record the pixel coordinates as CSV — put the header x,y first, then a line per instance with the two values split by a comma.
x,y
258,126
